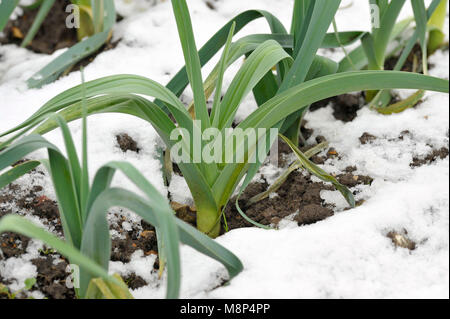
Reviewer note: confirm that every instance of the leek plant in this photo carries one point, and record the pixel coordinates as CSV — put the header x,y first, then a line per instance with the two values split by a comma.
x,y
389,39
308,33
310,21
96,19
83,210
213,184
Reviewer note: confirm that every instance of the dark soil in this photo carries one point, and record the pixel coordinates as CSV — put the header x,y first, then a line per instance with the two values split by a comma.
x,y
52,275
284,150
431,157
41,206
176,169
127,143
345,107
13,245
134,240
52,35
404,134
416,54
134,282
51,267
298,193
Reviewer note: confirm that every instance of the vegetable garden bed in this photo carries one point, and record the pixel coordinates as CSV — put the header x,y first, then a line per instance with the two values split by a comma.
x,y
362,210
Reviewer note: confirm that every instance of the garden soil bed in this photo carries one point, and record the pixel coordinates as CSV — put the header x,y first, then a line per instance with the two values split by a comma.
x,y
298,199
299,195
52,267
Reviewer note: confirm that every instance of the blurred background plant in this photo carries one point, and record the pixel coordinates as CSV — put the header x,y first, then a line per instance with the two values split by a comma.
x,y
93,20
436,28
393,38
310,21
308,32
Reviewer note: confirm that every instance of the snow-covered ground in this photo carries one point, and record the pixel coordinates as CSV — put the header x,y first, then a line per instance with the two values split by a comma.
x,y
345,256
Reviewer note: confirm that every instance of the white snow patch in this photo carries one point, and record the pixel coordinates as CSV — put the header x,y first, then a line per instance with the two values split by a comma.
x,y
180,191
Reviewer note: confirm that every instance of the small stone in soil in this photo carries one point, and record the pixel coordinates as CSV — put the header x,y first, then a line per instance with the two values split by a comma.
x,y
346,107
401,240
367,138
210,5
126,143
332,152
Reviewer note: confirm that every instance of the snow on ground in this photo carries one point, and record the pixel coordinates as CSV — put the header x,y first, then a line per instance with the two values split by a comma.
x,y
346,256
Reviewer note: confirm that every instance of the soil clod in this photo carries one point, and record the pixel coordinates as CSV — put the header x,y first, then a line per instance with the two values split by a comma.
x,y
400,239
345,107
123,248
12,245
185,212
51,278
351,180
134,281
431,157
127,143
367,138
313,213
210,5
